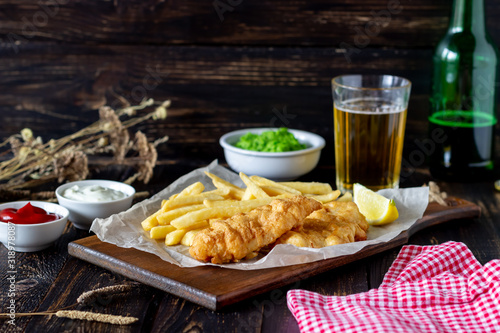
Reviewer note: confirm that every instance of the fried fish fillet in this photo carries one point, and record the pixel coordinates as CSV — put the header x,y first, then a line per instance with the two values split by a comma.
x,y
336,223
240,235
349,211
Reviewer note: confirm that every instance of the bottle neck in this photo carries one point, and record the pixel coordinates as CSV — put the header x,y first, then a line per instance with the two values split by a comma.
x,y
467,15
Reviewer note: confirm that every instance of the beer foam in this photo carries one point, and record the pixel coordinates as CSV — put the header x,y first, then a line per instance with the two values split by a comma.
x,y
370,106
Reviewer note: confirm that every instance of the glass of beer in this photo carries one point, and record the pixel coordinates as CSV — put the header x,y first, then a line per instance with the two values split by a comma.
x,y
369,123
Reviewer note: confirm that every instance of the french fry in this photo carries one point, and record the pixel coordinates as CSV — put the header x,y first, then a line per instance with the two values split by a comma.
x,y
324,198
248,195
221,181
193,189
241,203
190,220
150,221
165,217
234,191
174,237
159,232
188,237
261,181
220,203
309,187
346,197
187,221
180,201
275,191
253,187
194,224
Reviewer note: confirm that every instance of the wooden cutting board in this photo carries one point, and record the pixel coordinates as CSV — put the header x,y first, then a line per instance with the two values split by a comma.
x,y
215,287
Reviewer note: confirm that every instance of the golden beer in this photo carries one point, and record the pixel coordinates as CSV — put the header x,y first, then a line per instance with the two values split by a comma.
x,y
369,135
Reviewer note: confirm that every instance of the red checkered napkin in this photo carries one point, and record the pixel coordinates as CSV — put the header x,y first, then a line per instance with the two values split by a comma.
x,y
440,288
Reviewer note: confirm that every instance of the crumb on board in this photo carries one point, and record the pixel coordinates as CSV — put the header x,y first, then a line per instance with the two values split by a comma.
x,y
435,194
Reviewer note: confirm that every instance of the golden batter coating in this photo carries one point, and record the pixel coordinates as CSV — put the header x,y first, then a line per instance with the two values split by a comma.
x,y
349,212
233,239
336,223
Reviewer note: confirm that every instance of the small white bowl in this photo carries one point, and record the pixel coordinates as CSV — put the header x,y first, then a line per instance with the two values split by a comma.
x,y
82,214
32,237
276,166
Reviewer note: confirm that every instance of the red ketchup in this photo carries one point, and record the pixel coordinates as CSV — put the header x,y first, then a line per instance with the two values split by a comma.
x,y
28,214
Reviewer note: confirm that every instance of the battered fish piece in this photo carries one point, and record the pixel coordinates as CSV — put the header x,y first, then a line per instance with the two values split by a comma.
x,y
350,212
336,223
233,239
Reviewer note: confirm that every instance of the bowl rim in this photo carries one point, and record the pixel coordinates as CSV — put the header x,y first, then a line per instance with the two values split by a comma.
x,y
65,186
318,142
22,203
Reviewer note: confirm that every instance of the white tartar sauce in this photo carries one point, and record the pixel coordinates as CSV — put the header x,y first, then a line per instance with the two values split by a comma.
x,y
92,193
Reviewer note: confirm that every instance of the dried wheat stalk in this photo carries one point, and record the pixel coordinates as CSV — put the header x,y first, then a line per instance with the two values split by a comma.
x,y
91,296
92,316
88,298
35,162
435,194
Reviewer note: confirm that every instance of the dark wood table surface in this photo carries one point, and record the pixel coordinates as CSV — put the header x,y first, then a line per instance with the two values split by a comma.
x,y
255,64
52,279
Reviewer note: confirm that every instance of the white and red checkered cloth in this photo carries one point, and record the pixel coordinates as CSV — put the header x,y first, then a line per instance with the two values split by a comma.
x,y
440,288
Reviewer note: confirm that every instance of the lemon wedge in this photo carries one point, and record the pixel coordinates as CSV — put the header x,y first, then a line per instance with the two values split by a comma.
x,y
377,209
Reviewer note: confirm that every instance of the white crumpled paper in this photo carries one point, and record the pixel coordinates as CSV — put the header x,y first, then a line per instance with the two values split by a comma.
x,y
124,229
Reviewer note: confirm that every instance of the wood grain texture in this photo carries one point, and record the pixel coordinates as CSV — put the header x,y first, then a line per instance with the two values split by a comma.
x,y
235,22
85,279
265,62
160,311
213,91
215,287
33,275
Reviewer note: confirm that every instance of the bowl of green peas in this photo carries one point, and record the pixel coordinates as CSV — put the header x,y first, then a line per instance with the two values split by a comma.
x,y
279,154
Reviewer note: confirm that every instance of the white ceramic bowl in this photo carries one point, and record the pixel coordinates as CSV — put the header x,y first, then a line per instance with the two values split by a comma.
x,y
33,237
276,166
82,214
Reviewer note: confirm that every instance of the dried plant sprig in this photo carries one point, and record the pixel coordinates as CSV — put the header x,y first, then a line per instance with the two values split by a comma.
x,y
88,298
66,159
92,296
93,316
82,315
435,194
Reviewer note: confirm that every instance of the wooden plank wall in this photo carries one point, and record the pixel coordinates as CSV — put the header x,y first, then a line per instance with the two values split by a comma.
x,y
225,64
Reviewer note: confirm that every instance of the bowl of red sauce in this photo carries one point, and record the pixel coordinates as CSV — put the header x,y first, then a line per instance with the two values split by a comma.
x,y
29,226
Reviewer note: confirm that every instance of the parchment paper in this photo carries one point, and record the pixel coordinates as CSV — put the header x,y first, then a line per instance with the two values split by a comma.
x,y
124,229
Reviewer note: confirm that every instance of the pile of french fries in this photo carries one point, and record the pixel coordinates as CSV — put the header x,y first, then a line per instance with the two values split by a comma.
x,y
185,214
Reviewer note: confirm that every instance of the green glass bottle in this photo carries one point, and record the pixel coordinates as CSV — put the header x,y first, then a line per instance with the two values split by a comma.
x,y
463,101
